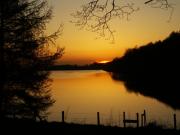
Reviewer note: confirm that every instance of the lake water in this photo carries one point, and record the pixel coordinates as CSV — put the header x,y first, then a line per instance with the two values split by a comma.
x,y
81,94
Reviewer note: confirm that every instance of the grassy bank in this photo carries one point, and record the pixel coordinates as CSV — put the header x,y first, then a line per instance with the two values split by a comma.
x,y
31,127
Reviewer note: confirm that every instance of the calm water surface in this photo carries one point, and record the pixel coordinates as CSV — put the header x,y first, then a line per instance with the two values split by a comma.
x,y
81,94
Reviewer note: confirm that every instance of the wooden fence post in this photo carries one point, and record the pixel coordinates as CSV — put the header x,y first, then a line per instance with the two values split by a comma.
x,y
137,119
144,117
63,117
98,118
142,120
124,119
175,124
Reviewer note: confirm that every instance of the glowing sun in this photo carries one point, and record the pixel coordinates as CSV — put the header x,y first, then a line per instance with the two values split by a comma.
x,y
103,61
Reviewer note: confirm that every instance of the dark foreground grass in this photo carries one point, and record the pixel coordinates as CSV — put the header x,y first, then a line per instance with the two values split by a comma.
x,y
56,128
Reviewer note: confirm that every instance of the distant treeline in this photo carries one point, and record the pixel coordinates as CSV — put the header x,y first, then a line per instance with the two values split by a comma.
x,y
159,57
94,66
152,70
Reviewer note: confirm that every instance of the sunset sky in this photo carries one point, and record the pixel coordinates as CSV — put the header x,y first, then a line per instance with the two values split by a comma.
x,y
82,47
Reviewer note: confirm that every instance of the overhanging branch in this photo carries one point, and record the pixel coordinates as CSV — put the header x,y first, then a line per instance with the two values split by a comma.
x,y
97,15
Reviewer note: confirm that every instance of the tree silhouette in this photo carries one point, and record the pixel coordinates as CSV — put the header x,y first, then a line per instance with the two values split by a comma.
x,y
25,55
151,70
96,15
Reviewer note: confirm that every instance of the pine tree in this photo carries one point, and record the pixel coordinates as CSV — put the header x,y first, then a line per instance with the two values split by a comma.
x,y
25,55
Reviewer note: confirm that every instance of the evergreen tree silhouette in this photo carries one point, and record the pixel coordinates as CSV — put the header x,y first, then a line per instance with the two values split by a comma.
x,y
24,59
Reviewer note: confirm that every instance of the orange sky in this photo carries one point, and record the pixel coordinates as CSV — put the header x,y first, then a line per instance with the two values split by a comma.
x,y
82,47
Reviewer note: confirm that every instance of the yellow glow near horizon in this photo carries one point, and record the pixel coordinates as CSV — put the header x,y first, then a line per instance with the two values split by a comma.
x,y
82,47
103,61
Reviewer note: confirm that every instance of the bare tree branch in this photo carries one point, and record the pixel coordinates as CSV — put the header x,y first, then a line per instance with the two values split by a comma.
x,y
97,15
148,1
162,4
